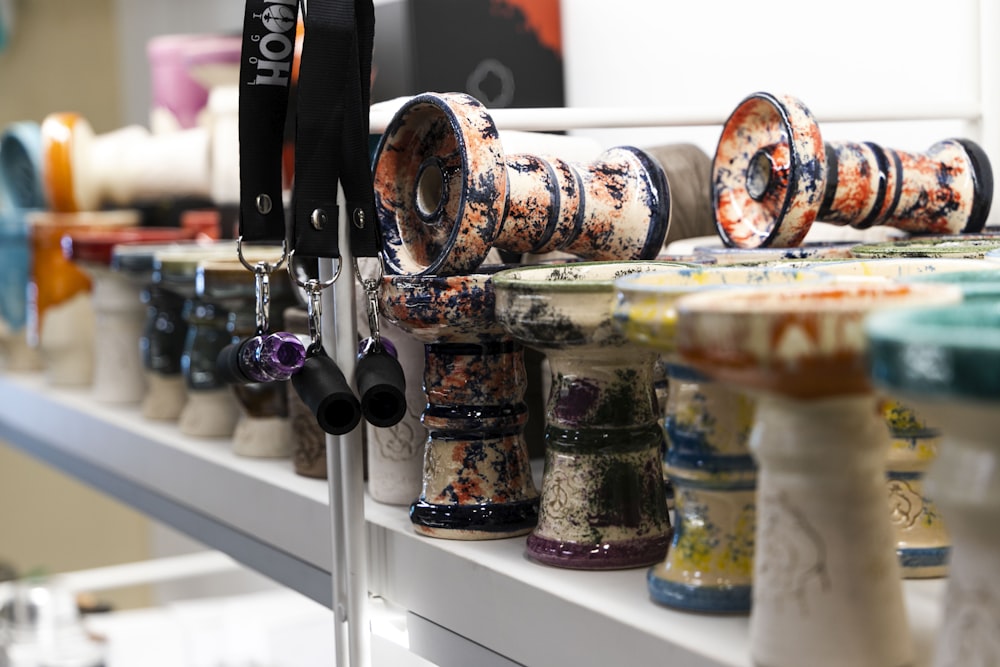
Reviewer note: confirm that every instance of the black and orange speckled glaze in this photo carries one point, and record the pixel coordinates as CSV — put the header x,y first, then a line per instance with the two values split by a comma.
x,y
477,481
783,131
452,137
946,190
446,193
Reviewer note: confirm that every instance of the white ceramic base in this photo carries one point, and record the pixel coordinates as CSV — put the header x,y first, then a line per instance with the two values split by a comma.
x,y
67,342
18,356
210,414
166,396
396,454
827,584
263,437
119,320
965,484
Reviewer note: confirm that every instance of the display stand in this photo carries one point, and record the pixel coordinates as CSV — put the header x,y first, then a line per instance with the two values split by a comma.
x,y
483,597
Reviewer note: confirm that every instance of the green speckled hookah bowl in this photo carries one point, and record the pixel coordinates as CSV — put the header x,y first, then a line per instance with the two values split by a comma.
x,y
603,503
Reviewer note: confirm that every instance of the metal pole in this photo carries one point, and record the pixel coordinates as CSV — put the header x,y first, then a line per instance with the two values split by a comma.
x,y
578,118
338,566
347,490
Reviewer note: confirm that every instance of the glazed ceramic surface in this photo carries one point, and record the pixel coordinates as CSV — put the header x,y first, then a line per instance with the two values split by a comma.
x,y
20,192
395,453
60,309
972,248
982,284
15,266
446,193
826,576
119,272
890,268
946,361
178,94
804,252
20,166
709,566
165,331
768,173
225,292
922,540
85,172
477,481
773,176
603,503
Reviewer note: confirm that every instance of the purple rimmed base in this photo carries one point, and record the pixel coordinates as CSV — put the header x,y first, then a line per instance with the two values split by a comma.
x,y
605,556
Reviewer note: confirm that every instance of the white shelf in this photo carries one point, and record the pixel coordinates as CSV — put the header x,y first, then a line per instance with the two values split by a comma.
x,y
265,516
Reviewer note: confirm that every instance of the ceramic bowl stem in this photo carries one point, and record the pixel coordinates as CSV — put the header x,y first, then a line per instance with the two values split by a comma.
x,y
820,522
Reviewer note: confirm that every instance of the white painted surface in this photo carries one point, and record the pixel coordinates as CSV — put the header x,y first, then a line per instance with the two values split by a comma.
x,y
487,592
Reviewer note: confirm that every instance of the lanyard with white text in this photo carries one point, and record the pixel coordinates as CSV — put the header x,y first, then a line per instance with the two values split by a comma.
x,y
265,76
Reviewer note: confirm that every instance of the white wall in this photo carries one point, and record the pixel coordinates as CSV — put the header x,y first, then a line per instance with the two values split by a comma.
x,y
864,55
706,55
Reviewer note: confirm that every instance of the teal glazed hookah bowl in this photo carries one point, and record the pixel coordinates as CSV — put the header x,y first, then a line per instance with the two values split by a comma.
x,y
603,501
773,176
20,191
446,193
477,481
709,567
946,361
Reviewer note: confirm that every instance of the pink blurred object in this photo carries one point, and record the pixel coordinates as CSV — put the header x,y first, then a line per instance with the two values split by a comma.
x,y
183,68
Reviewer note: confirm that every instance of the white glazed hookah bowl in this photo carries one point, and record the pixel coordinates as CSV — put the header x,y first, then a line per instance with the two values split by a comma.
x,y
827,581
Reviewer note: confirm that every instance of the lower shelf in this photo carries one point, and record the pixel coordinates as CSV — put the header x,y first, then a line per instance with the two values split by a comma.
x,y
270,519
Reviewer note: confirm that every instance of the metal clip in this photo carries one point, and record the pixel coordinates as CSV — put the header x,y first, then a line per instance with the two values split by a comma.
x,y
314,306
371,287
262,293
262,285
314,313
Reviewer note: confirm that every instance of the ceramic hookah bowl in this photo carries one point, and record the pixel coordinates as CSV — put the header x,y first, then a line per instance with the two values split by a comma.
x,y
60,308
973,247
216,316
922,541
477,481
946,361
773,176
709,567
826,577
20,192
162,342
603,503
182,68
446,193
83,171
119,263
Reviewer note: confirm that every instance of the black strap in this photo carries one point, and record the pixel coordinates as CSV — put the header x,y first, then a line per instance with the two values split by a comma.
x,y
265,74
331,138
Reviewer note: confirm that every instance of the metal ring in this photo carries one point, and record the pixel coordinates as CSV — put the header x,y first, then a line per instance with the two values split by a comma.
x,y
312,284
273,267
